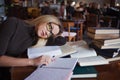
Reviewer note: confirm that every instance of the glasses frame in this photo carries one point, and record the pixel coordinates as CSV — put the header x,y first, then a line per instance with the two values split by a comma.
x,y
50,28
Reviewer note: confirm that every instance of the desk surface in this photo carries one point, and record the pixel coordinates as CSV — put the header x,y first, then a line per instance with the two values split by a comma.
x,y
105,72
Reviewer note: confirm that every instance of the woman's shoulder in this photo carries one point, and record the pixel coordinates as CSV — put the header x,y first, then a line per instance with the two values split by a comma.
x,y
12,18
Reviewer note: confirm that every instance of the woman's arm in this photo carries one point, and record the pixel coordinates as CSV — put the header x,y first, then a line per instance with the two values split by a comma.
x,y
7,61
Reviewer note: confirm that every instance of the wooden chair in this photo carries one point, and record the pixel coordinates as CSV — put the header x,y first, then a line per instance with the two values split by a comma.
x,y
71,35
91,20
71,27
78,29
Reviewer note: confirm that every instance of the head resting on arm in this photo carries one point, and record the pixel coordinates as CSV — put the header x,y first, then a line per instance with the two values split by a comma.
x,y
47,26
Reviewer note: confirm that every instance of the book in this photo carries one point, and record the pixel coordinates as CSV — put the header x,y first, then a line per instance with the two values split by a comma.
x,y
114,59
107,41
50,74
103,36
108,53
91,61
67,50
103,30
56,70
76,44
53,51
83,52
84,72
110,46
64,63
87,55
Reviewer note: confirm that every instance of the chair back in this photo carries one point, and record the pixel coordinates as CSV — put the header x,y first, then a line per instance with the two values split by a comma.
x,y
91,20
67,24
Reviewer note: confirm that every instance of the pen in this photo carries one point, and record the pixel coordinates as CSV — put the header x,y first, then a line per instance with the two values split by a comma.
x,y
42,65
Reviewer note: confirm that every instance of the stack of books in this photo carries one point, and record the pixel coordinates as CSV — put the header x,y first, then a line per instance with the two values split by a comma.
x,y
106,40
103,32
108,43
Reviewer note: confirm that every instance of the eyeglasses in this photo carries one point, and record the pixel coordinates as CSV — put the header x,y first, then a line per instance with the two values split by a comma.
x,y
49,28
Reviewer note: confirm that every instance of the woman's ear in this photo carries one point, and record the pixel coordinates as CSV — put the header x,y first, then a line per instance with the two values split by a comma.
x,y
56,41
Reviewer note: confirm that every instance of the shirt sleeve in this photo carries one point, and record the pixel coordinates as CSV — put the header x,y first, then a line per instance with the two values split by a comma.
x,y
7,29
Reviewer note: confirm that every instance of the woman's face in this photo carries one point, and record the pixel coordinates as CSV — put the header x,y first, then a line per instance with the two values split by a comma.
x,y
47,29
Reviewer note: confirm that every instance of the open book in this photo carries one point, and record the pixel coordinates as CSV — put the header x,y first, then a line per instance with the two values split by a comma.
x,y
60,69
53,51
83,52
93,60
88,57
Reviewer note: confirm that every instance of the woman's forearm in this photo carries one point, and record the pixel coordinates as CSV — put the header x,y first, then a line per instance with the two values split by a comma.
x,y
7,61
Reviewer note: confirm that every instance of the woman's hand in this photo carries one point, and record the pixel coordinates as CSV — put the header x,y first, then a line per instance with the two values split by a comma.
x,y
41,60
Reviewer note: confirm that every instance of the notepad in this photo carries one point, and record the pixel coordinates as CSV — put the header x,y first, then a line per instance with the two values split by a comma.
x,y
60,69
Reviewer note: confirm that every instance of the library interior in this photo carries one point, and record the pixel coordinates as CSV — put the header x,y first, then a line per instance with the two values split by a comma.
x,y
60,40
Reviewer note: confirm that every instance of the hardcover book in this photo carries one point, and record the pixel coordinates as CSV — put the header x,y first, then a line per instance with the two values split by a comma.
x,y
92,61
84,72
110,46
107,41
108,53
103,36
88,57
103,30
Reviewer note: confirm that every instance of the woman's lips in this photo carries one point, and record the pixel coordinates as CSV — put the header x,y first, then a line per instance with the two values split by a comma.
x,y
42,33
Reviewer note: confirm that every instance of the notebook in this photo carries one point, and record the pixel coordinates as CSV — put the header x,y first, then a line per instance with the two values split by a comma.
x,y
60,69
64,63
50,74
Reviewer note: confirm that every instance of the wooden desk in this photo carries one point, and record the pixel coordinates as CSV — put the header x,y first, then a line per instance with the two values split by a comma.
x,y
105,72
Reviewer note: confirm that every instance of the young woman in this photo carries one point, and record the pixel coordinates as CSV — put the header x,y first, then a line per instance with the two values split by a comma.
x,y
17,35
